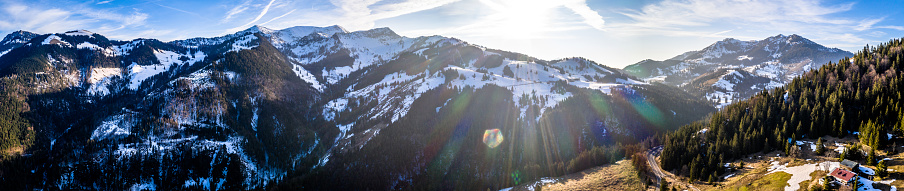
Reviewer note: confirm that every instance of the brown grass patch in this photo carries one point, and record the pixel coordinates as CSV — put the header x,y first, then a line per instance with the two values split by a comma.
x,y
620,176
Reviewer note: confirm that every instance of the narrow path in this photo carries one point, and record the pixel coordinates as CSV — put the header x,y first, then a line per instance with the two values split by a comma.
x,y
652,154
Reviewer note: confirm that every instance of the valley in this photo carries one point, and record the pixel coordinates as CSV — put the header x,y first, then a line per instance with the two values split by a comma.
x,y
451,95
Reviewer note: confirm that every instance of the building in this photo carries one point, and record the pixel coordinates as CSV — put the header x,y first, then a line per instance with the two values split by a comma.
x,y
855,167
850,165
843,176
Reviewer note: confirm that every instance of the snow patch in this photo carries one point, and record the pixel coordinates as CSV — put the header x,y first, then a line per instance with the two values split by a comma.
x,y
243,43
98,74
167,59
801,173
100,78
54,39
144,186
867,171
307,77
839,148
725,84
114,127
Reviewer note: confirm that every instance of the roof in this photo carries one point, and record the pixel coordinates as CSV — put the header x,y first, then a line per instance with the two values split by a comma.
x,y
849,163
842,174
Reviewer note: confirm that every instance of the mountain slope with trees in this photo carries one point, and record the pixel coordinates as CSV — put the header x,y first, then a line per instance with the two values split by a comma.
x,y
304,106
731,70
857,94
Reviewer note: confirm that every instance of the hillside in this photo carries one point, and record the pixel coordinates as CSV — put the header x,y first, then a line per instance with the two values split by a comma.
x,y
731,70
292,108
855,97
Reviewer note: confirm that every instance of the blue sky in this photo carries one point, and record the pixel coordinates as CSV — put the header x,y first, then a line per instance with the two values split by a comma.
x,y
614,33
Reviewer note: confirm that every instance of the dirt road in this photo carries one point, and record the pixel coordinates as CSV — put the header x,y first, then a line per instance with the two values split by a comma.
x,y
652,155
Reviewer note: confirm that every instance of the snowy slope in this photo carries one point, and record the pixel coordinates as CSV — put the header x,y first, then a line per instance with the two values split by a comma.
x,y
210,99
778,58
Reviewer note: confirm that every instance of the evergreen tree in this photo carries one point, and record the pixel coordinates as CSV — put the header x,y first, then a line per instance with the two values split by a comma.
x,y
882,169
820,147
871,158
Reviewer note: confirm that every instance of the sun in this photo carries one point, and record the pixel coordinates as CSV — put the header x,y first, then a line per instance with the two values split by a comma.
x,y
521,18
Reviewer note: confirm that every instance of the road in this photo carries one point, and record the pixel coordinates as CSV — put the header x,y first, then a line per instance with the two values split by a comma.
x,y
652,154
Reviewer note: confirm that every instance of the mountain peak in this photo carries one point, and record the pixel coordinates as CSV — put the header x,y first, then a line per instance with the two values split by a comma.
x,y
19,36
301,31
730,40
258,28
382,30
376,32
337,27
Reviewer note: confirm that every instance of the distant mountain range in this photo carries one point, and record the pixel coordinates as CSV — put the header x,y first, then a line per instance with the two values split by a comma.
x,y
310,108
732,70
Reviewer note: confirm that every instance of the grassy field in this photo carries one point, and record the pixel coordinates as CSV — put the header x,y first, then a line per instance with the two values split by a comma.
x,y
619,176
756,175
753,177
774,181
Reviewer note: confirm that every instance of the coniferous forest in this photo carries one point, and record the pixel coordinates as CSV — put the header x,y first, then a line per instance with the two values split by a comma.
x,y
858,96
523,95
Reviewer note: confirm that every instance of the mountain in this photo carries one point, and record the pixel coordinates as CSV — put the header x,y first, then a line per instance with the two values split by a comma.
x,y
317,108
731,70
857,97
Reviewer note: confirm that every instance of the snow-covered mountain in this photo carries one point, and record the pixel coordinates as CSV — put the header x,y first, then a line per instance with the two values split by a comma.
x,y
264,107
731,70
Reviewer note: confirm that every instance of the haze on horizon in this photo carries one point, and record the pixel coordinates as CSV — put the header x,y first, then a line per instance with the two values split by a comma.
x,y
614,33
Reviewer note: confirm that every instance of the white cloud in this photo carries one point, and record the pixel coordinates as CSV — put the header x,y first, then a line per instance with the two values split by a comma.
x,y
900,28
361,14
524,19
680,13
177,9
259,16
236,10
350,14
815,19
51,20
279,17
867,24
591,17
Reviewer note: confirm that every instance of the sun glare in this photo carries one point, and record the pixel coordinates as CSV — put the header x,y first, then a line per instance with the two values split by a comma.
x,y
521,18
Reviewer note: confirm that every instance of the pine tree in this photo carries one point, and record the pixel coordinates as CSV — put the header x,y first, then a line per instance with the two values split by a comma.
x,y
882,169
820,147
871,158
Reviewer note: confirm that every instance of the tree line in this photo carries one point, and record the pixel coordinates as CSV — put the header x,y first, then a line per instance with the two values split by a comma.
x,y
859,94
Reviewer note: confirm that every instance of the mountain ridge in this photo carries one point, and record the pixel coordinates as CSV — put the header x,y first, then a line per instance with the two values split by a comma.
x,y
778,58
258,107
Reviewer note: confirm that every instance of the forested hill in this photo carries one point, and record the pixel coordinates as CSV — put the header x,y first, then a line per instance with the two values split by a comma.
x,y
860,94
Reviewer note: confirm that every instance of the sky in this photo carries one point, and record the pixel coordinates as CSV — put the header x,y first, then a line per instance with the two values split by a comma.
x,y
616,33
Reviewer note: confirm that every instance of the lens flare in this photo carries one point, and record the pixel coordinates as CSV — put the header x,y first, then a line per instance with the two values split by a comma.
x,y
492,137
516,177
